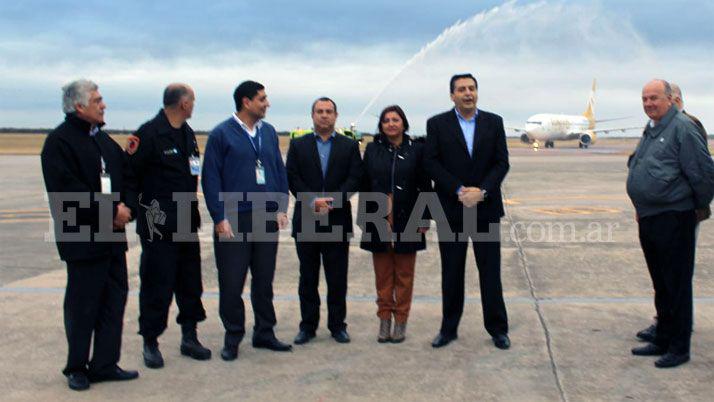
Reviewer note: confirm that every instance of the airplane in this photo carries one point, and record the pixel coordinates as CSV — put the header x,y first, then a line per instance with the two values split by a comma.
x,y
548,128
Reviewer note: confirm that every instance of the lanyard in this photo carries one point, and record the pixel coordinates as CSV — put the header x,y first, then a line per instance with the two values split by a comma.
x,y
252,143
104,165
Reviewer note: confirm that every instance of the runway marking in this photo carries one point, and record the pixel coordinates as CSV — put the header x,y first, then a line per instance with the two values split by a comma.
x,y
24,220
24,215
22,211
576,210
612,197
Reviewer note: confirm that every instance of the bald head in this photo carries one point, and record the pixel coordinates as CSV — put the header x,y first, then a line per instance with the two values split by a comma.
x,y
174,92
660,84
656,99
179,99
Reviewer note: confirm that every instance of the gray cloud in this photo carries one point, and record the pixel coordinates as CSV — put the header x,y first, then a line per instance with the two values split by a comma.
x,y
529,56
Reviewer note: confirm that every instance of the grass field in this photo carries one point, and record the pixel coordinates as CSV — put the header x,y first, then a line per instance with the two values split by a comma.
x,y
31,144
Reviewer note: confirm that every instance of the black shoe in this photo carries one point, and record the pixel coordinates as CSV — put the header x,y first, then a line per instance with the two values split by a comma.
x,y
114,374
152,356
648,350
648,334
341,336
192,348
229,353
671,360
77,381
442,340
272,344
501,341
303,337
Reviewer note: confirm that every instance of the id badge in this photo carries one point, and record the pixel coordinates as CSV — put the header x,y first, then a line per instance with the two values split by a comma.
x,y
260,175
106,182
194,162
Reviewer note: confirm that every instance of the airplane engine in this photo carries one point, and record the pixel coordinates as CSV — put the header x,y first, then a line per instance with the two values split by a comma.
x,y
525,139
586,139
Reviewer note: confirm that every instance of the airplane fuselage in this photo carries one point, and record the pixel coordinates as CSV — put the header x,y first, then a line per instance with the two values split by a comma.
x,y
551,127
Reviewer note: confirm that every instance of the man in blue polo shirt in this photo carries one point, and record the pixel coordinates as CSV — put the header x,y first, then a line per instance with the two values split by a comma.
x,y
246,190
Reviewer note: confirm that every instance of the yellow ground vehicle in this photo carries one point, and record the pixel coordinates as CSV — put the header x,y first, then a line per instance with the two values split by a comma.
x,y
347,132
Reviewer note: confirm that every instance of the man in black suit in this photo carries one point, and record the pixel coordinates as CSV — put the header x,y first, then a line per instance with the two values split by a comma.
x,y
467,158
324,170
84,173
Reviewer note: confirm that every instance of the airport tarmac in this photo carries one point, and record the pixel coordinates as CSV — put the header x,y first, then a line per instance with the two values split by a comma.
x,y
574,279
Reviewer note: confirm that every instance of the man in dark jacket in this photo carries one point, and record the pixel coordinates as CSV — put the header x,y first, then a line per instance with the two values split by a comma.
x,y
705,213
467,158
166,163
324,170
671,174
648,334
84,171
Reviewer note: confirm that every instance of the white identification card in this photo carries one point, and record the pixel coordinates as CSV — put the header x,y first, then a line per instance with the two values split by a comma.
x,y
194,162
106,183
260,174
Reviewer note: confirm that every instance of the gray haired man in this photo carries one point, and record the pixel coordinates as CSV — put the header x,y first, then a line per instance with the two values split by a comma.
x,y
671,174
84,170
648,334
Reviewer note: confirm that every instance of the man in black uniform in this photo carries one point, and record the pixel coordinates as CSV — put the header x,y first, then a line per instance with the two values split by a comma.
x,y
84,172
164,157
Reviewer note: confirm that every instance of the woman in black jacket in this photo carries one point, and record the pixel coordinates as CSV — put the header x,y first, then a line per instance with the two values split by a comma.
x,y
393,173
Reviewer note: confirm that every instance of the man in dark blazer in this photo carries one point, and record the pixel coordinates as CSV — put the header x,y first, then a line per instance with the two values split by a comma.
x,y
84,172
324,170
467,158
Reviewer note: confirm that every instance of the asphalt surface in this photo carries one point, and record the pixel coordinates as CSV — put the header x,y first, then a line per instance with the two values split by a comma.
x,y
574,279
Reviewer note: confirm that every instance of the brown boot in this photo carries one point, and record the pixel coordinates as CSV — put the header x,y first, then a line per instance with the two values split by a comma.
x,y
385,327
400,332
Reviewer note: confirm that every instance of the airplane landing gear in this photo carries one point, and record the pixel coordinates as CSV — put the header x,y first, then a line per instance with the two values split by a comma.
x,y
549,144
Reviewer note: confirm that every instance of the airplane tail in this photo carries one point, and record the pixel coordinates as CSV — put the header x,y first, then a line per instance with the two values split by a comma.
x,y
589,112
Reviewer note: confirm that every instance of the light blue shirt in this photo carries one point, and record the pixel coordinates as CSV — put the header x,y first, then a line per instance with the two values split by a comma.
x,y
323,149
468,129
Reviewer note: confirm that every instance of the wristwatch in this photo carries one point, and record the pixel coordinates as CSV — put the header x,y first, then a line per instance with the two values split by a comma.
x,y
484,194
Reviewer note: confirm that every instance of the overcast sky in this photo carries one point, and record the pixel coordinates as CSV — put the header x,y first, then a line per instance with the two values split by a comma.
x,y
530,56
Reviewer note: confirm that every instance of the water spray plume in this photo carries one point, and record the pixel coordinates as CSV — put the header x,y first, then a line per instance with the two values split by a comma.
x,y
525,56
447,33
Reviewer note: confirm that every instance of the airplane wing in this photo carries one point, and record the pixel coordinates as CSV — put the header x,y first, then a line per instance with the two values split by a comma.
x,y
613,119
620,129
518,130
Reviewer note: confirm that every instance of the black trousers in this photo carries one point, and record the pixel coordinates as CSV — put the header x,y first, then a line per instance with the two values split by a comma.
x,y
668,243
234,257
169,268
488,262
94,303
335,259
